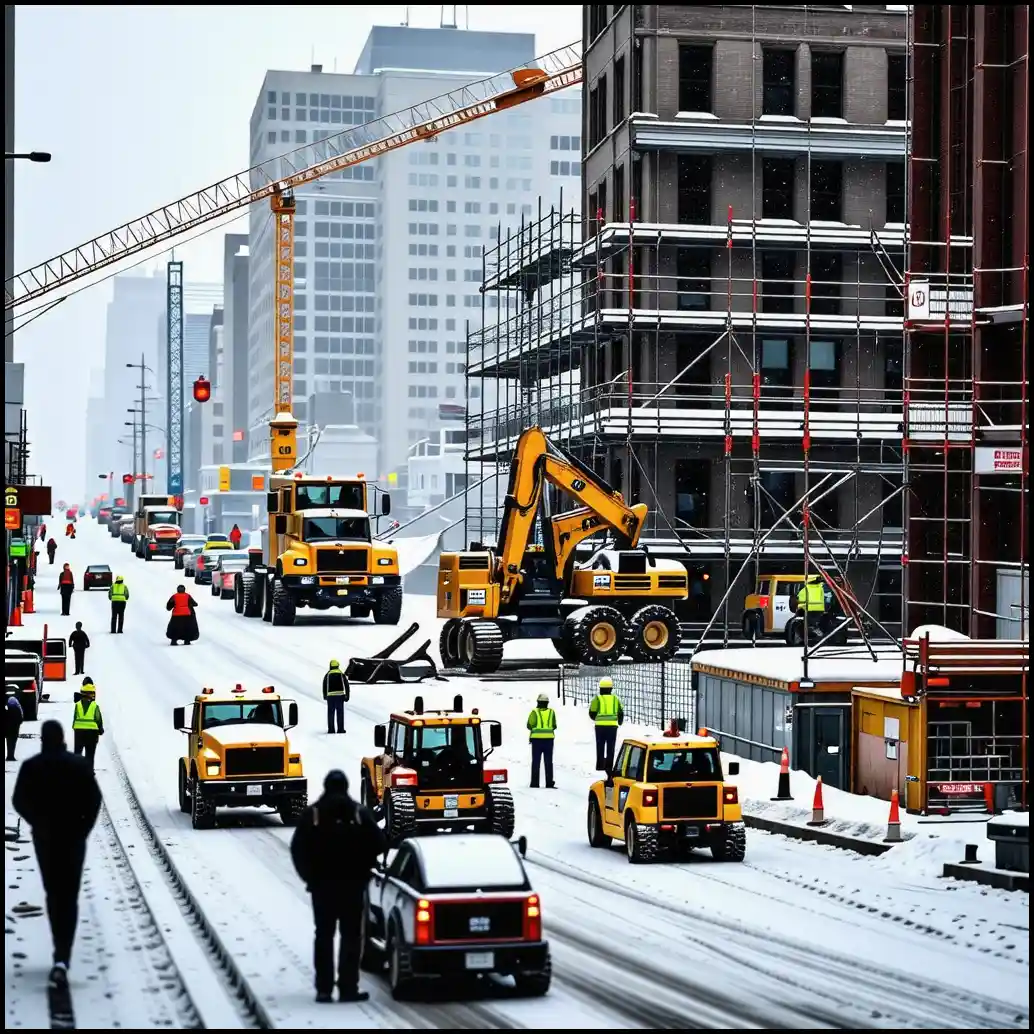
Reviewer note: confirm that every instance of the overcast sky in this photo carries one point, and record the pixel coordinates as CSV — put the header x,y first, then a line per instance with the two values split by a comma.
x,y
140,106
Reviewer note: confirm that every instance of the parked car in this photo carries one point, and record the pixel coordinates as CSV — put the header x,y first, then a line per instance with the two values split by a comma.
x,y
205,559
97,576
125,528
190,558
115,519
186,544
225,567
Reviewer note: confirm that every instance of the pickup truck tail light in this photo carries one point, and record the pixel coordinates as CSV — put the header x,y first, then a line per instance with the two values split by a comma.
x,y
152,545
403,777
649,798
730,795
199,563
762,602
495,775
532,919
424,922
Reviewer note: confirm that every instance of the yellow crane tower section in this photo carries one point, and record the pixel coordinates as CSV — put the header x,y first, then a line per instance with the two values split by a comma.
x,y
283,428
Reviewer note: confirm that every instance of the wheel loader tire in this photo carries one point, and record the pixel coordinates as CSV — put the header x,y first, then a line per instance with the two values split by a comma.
x,y
653,634
449,643
794,632
565,644
283,604
266,588
598,635
400,815
481,647
387,610
251,601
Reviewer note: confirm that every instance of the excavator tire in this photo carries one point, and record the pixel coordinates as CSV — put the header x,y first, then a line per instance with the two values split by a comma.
x,y
500,811
449,644
598,635
387,609
653,634
283,604
266,599
481,647
565,644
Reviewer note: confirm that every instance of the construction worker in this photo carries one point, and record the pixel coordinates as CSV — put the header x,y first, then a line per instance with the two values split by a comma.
x,y
51,549
87,721
119,596
79,642
336,692
812,599
607,714
66,586
541,732
235,537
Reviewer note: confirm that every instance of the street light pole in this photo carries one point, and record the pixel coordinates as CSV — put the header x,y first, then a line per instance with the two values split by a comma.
x,y
30,156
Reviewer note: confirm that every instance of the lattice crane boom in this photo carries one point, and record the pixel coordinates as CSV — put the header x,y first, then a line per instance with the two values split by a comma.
x,y
61,275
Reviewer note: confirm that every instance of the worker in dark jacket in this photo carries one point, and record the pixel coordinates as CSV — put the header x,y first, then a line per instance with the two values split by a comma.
x,y
183,620
57,795
334,848
336,692
13,718
79,643
51,549
66,586
87,720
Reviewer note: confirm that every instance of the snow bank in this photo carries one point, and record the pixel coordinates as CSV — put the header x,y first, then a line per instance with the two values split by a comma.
x,y
415,551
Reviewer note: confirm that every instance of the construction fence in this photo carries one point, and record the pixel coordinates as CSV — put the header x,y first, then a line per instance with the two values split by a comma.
x,y
650,694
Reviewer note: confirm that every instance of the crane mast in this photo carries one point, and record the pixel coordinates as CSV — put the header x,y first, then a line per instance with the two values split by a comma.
x,y
283,428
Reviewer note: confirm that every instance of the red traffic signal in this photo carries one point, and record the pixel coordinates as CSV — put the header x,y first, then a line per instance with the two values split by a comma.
x,y
203,500
177,501
128,479
202,389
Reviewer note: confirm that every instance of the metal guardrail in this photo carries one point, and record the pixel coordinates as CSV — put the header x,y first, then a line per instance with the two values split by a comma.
x,y
650,694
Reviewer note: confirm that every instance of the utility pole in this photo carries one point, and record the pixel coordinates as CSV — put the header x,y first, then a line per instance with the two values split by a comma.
x,y
143,421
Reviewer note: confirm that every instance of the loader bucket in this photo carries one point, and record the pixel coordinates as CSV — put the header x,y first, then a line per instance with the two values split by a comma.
x,y
382,667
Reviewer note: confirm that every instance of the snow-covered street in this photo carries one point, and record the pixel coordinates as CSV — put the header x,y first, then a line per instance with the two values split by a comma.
x,y
798,936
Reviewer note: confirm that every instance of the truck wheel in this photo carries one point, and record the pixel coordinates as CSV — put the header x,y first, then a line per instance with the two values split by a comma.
x,y
214,590
400,968
598,635
360,610
251,602
290,811
367,795
449,644
565,644
388,608
267,597
481,646
202,814
536,984
184,790
400,815
640,842
731,845
226,594
146,554
371,958
794,633
30,708
594,824
500,811
653,634
283,605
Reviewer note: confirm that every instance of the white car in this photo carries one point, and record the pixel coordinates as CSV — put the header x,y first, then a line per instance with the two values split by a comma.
x,y
125,528
226,566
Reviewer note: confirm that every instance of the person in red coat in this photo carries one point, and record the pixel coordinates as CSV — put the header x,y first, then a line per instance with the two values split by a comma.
x,y
66,586
183,620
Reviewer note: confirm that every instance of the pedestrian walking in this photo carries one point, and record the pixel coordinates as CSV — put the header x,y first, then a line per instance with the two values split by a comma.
x,y
334,848
607,714
336,692
57,795
66,586
119,596
87,721
51,549
13,718
183,621
235,537
541,732
79,643
42,532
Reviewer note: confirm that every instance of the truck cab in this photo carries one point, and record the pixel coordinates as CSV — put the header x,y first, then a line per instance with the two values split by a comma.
x,y
239,756
152,510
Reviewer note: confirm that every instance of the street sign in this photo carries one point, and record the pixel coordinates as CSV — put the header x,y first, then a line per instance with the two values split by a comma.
x,y
12,518
32,500
19,548
919,300
175,484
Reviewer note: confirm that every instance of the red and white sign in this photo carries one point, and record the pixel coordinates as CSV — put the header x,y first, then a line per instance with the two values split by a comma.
x,y
203,500
995,460
958,789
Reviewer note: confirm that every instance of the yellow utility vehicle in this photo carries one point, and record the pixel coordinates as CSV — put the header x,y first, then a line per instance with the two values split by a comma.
x,y
617,601
431,774
772,609
666,795
238,756
320,553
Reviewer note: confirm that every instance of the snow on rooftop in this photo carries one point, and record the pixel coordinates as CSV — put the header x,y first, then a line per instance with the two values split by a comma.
x,y
1011,818
786,664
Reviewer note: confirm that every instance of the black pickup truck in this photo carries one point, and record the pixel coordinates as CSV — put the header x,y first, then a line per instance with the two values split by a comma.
x,y
453,909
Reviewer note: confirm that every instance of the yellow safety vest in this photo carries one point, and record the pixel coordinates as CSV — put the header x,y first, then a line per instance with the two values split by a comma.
x,y
542,723
85,719
813,597
606,709
119,592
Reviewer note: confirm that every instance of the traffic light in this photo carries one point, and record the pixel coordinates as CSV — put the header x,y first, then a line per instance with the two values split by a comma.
x,y
128,479
202,389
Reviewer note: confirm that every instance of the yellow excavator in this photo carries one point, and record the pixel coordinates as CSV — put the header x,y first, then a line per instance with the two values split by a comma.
x,y
618,601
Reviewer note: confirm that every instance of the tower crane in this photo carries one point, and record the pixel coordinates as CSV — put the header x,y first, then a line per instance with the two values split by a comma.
x,y
275,181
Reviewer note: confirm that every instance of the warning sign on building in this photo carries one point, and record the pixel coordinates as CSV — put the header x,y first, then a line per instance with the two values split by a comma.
x,y
919,300
997,460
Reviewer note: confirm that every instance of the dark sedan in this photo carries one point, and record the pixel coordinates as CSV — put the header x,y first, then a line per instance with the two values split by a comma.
x,y
97,576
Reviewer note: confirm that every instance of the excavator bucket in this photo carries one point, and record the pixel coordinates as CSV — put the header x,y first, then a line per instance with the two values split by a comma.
x,y
382,667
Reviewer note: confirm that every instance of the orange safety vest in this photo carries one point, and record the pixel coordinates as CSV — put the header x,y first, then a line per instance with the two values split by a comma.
x,y
180,605
66,578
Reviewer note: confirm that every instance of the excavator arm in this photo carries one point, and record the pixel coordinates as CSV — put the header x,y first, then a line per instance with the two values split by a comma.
x,y
538,461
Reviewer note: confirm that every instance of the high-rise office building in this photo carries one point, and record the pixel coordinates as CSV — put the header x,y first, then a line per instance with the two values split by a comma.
x,y
199,300
388,253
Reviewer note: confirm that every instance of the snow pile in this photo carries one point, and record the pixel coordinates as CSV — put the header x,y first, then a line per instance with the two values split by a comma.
x,y
415,551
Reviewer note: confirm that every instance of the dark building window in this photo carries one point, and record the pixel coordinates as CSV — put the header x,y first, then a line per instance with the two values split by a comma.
x,y
598,112
692,480
775,496
775,363
895,192
694,185
824,364
897,89
827,85
893,508
597,19
694,270
777,269
893,365
827,191
619,92
695,69
777,188
619,194
594,205
779,81
827,274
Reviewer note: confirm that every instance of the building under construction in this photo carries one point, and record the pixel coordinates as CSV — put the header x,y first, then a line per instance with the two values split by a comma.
x,y
720,334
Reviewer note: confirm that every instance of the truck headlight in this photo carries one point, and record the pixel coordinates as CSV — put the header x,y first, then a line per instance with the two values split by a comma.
x,y
384,561
212,768
307,579
377,580
300,561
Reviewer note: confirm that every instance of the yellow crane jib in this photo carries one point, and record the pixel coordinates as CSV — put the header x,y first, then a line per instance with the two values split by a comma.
x,y
283,428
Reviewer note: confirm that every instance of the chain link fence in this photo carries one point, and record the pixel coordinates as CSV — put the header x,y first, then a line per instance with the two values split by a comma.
x,y
651,694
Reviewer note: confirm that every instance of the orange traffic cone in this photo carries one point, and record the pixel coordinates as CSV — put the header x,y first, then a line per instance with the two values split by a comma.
x,y
16,616
818,812
27,602
783,793
894,821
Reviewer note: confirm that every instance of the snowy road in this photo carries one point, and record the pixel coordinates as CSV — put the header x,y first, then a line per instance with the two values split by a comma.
x,y
798,936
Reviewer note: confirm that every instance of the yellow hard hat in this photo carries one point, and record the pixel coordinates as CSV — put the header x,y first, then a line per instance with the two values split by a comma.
x,y
606,682
335,664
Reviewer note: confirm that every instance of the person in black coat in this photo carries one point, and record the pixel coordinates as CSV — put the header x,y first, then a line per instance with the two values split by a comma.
x,y
57,795
13,718
79,643
334,848
336,692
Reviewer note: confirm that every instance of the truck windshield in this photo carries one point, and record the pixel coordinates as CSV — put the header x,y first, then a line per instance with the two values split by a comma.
x,y
260,712
683,766
458,741
339,497
162,517
332,529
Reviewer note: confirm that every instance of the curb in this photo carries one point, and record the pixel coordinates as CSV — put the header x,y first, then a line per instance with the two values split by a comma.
x,y
988,877
872,848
